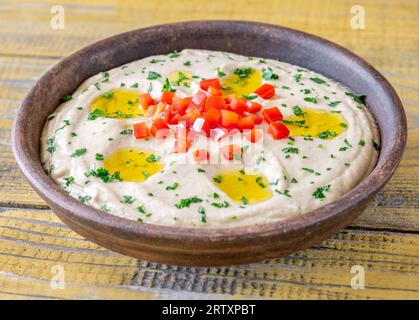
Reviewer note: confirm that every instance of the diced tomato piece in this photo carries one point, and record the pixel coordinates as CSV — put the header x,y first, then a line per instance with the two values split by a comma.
x,y
151,110
140,130
163,112
272,114
218,133
246,123
175,119
232,151
229,97
201,155
167,97
145,100
253,107
214,91
238,104
214,102
182,146
278,130
206,83
202,126
213,115
189,118
229,119
199,98
194,108
254,135
256,118
160,129
265,91
180,104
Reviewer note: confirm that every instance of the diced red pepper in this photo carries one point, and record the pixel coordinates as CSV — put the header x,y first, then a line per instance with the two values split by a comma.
x,y
180,104
238,104
272,114
182,146
151,109
257,118
199,98
253,107
278,130
160,129
232,151
167,97
214,102
175,119
218,133
163,112
202,126
145,100
189,118
229,119
140,130
254,135
214,91
201,155
265,91
213,115
206,83
246,123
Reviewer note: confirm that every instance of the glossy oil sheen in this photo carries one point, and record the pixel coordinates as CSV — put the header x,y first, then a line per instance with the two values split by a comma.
x,y
241,86
313,123
122,104
134,165
238,184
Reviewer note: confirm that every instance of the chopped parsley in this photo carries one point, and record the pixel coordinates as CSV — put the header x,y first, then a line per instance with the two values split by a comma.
x,y
167,86
187,202
173,186
107,95
153,75
313,100
68,180
297,111
359,99
375,145
128,199
96,114
126,131
244,200
202,214
99,157
217,179
243,72
79,152
269,75
286,193
152,158
104,175
290,150
361,142
317,80
220,205
319,193
66,98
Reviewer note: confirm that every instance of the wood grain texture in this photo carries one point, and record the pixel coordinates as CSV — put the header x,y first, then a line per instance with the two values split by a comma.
x,y
384,239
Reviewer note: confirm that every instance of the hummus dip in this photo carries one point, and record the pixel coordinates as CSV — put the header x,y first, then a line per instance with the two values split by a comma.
x,y
209,139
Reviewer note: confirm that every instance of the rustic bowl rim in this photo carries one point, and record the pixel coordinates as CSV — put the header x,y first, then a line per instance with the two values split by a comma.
x,y
51,192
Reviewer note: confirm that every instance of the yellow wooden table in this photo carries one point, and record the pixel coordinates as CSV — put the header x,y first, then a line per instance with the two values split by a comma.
x,y
34,244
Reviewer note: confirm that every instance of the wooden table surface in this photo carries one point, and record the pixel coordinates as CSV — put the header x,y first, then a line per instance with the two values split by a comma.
x,y
34,243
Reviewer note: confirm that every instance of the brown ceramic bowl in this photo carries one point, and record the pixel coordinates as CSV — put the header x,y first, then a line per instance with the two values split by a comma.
x,y
203,247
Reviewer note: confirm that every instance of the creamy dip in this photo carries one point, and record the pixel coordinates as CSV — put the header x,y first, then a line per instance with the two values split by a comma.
x,y
88,146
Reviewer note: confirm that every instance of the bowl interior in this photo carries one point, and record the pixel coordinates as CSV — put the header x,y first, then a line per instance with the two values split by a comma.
x,y
244,38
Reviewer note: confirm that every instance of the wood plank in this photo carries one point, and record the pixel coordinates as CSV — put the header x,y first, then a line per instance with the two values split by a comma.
x,y
34,241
